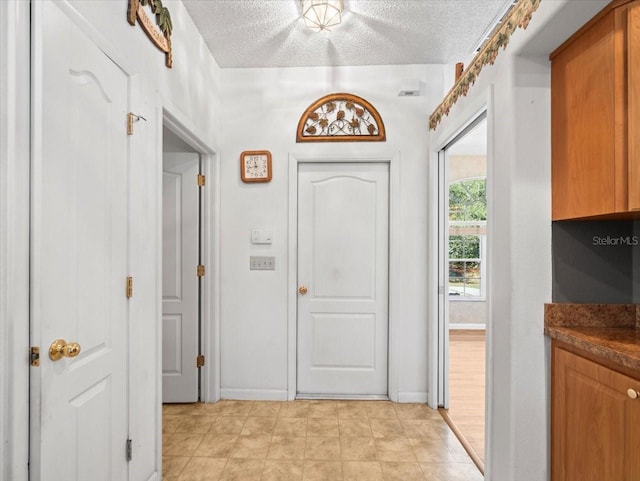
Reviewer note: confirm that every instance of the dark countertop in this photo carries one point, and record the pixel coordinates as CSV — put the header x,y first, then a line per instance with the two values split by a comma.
x,y
610,331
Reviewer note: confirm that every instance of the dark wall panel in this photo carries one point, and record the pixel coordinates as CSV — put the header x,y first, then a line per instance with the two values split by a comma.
x,y
593,262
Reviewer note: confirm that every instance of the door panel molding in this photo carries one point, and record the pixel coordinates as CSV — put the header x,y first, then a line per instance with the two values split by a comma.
x,y
393,159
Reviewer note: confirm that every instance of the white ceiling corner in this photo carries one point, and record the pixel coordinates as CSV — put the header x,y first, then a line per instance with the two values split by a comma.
x,y
271,33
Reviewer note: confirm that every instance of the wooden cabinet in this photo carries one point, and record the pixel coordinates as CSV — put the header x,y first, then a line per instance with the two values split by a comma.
x,y
595,424
595,117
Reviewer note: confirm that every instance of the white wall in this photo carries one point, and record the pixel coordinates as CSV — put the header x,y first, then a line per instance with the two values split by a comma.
x,y
260,110
189,92
517,92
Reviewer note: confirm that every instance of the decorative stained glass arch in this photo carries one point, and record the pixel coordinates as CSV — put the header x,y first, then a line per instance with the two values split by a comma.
x,y
340,118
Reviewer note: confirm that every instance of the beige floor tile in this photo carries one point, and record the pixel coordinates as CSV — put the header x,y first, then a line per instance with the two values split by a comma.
x,y
172,466
323,409
310,440
381,410
203,469
356,427
443,429
396,450
352,410
323,449
361,471
419,428
358,449
276,470
265,408
195,424
412,411
322,427
291,427
458,453
433,414
177,409
286,448
431,450
242,470
207,408
294,409
216,445
170,422
387,428
237,408
322,471
251,447
256,425
402,472
227,425
471,471
180,444
443,472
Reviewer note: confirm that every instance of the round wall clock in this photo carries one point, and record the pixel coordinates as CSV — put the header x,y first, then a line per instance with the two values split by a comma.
x,y
255,166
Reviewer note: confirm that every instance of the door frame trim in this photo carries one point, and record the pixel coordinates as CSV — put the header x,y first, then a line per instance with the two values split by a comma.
x,y
15,160
393,159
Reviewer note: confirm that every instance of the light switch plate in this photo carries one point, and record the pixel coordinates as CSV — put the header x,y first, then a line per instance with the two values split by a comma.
x,y
261,237
262,263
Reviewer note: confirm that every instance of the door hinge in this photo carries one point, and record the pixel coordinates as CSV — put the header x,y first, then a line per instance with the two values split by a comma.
x,y
129,287
130,123
131,118
201,180
35,356
200,361
200,270
129,450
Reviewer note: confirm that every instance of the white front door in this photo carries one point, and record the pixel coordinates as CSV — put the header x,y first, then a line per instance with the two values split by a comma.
x,y
343,263
79,255
180,248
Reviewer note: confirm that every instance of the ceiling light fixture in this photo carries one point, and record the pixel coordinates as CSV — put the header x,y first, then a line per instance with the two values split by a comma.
x,y
322,14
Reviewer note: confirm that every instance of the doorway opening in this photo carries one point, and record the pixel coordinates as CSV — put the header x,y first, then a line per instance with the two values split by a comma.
x,y
186,263
463,278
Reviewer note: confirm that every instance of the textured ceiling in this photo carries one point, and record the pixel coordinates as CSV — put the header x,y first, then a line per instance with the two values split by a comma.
x,y
271,33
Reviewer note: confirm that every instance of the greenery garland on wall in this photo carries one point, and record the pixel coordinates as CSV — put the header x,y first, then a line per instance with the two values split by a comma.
x,y
519,16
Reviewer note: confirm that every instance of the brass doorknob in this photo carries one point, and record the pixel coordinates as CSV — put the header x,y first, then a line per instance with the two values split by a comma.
x,y
632,393
59,349
303,290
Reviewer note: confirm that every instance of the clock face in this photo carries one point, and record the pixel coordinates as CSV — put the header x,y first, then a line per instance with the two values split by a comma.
x,y
255,166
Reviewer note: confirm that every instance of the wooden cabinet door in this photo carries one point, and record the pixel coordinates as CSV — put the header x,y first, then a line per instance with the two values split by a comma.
x,y
583,123
595,425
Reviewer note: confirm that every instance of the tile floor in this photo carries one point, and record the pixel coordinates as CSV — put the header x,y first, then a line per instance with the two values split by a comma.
x,y
310,441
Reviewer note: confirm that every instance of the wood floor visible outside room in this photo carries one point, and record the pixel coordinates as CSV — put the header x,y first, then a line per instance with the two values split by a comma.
x,y
467,386
311,441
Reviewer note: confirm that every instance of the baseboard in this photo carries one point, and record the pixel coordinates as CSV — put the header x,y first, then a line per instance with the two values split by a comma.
x,y
413,397
254,394
467,327
344,397
154,477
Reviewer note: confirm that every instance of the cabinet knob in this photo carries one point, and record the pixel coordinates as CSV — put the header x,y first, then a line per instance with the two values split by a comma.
x,y
632,393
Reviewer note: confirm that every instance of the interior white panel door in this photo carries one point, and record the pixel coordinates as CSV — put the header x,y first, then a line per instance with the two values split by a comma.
x,y
79,253
343,262
180,211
